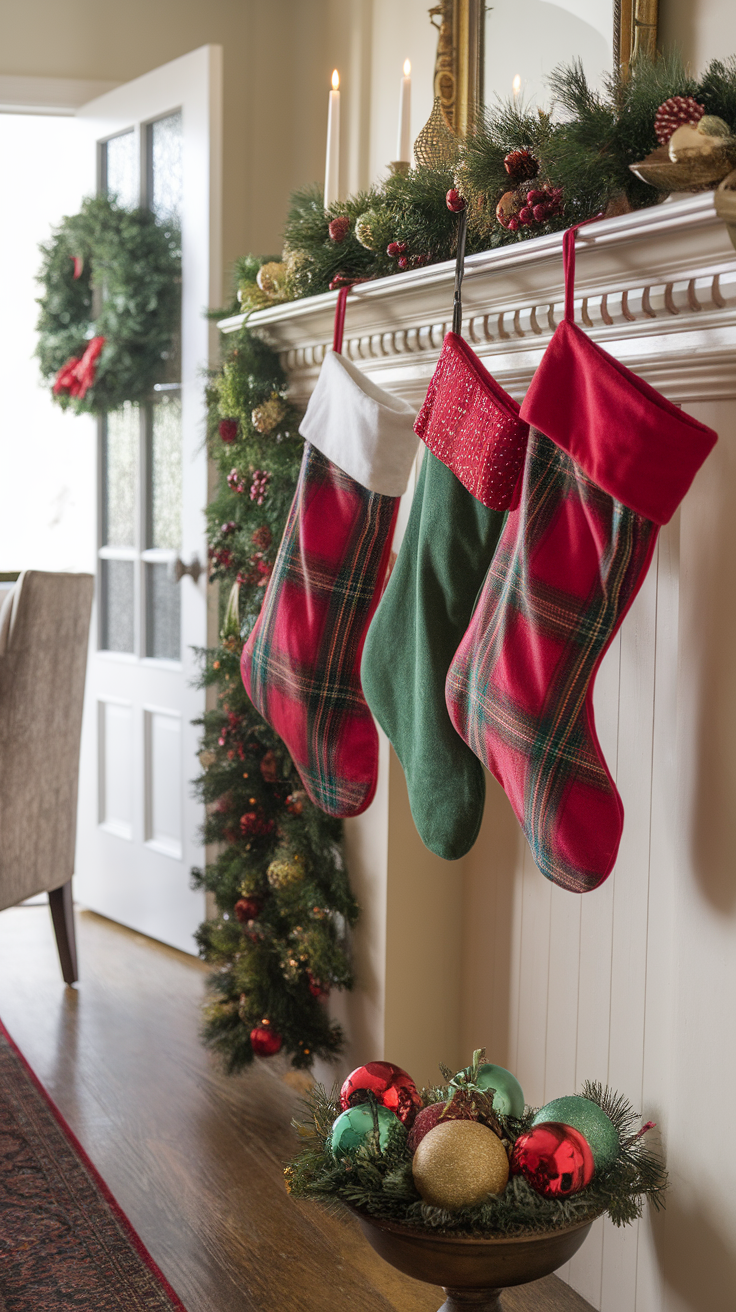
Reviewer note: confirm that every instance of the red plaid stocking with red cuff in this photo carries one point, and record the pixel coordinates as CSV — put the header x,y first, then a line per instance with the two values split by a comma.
x,y
608,461
301,663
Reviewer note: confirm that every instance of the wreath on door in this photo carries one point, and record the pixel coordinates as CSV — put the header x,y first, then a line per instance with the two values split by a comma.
x,y
110,306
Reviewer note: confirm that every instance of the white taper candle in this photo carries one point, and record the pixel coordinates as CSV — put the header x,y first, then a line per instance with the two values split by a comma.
x,y
403,140
332,163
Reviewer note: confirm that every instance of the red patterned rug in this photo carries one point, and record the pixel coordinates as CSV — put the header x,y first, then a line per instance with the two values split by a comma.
x,y
64,1242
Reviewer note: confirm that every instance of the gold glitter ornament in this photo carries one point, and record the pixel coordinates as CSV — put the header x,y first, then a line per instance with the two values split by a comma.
x,y
271,278
436,144
367,230
268,416
459,1164
284,874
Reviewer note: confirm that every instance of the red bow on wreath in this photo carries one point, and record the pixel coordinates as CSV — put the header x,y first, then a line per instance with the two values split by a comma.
x,y
78,374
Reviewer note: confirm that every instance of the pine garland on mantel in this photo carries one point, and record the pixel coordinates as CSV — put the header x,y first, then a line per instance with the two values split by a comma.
x,y
521,174
278,941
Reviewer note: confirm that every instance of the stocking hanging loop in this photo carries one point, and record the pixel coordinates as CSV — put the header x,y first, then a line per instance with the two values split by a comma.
x,y
342,296
568,258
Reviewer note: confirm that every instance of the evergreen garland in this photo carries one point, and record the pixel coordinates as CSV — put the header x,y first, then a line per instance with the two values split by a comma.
x,y
381,1182
278,941
584,149
114,273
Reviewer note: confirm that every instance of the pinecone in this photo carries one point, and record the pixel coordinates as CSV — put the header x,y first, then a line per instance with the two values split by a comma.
x,y
339,228
521,164
673,113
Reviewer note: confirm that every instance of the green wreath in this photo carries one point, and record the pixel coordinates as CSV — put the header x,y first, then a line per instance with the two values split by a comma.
x,y
110,306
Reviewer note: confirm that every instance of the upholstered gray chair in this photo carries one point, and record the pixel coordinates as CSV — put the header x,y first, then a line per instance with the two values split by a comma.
x,y
44,629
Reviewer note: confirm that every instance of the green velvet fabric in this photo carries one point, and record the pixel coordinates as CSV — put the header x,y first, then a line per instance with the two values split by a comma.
x,y
449,544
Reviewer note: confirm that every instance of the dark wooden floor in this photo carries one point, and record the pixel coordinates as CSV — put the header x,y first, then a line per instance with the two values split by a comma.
x,y
193,1157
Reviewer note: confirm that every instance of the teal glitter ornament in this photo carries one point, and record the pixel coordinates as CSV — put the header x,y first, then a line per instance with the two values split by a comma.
x,y
508,1098
592,1123
352,1127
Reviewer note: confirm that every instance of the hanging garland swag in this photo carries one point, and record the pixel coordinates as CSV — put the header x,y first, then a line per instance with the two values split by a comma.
x,y
109,306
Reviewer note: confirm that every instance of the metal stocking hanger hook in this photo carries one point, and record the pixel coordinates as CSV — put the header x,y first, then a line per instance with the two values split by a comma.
x,y
457,304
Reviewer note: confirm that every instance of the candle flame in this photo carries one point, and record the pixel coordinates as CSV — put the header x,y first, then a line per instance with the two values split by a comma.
x,y
407,67
516,84
335,80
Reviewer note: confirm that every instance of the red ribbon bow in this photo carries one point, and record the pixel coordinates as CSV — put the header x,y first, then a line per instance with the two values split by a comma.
x,y
78,374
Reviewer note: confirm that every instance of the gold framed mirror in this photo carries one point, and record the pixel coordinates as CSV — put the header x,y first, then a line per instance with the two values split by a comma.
x,y
463,63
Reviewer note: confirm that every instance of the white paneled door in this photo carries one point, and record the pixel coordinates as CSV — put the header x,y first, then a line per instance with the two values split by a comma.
x,y
158,144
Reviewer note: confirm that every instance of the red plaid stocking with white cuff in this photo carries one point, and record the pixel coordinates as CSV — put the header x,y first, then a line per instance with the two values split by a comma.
x,y
608,461
301,663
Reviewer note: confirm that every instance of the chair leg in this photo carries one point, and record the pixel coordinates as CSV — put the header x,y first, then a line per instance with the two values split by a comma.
x,y
62,914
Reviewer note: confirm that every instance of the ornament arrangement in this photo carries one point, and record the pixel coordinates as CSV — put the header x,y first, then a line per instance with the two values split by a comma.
x,y
277,943
469,1157
110,281
521,174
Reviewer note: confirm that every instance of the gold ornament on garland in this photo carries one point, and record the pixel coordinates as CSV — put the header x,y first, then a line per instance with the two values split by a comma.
x,y
460,1164
285,873
271,278
268,416
695,157
366,230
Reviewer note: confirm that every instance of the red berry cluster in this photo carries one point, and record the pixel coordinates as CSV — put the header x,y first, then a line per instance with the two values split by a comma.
x,y
339,228
540,206
230,731
221,556
396,250
235,481
259,486
673,113
254,824
228,430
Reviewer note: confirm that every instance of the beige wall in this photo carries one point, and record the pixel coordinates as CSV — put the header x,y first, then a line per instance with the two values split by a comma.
x,y
276,66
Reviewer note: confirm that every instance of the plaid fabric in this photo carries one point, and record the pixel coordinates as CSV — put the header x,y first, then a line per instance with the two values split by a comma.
x,y
301,663
520,688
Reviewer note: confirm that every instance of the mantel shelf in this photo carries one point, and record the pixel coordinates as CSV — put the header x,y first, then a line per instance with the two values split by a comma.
x,y
657,288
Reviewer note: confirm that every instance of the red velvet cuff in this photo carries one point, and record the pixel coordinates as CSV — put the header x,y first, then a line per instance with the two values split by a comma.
x,y
472,425
627,437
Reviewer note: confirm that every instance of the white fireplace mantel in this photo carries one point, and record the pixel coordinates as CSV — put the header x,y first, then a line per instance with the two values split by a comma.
x,y
656,288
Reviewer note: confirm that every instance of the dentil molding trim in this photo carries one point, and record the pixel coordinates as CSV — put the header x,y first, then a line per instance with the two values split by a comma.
x,y
656,288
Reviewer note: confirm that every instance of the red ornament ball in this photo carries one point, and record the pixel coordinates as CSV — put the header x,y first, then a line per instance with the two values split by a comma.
x,y
430,1116
454,201
554,1158
390,1086
520,165
673,113
339,228
264,1041
395,249
228,430
247,908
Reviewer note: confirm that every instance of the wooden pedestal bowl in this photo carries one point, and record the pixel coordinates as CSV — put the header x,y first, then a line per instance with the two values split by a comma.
x,y
472,1272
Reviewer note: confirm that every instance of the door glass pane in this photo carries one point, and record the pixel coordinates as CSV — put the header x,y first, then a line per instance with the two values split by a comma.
x,y
165,467
165,167
163,613
117,605
119,465
120,169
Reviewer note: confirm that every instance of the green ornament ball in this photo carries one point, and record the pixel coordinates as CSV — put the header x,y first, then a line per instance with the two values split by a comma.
x,y
590,1120
353,1126
508,1098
